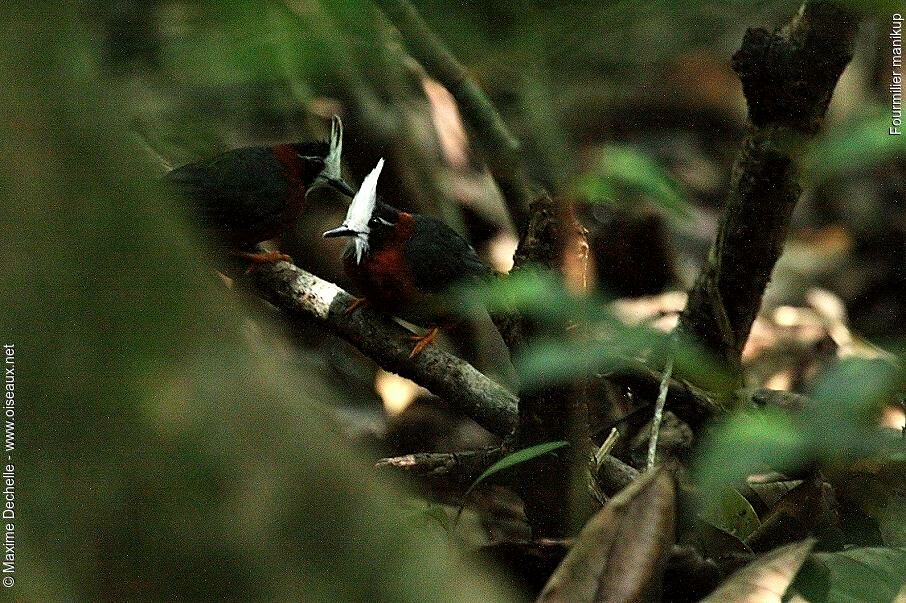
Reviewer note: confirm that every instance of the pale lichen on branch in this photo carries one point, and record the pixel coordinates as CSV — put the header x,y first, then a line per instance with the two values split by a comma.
x,y
297,291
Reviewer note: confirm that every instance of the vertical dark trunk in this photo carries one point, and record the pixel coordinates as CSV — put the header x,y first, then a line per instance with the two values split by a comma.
x,y
788,78
552,487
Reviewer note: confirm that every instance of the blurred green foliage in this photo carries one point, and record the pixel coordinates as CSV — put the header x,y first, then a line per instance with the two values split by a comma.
x,y
624,171
513,459
862,574
853,146
604,343
841,425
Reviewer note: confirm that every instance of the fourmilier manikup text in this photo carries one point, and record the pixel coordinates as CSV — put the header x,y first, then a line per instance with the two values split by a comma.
x,y
896,77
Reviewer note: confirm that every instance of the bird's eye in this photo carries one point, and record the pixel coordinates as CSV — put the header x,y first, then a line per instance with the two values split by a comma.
x,y
318,161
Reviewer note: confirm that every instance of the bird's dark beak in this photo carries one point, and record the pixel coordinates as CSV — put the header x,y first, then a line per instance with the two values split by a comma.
x,y
340,231
335,183
340,185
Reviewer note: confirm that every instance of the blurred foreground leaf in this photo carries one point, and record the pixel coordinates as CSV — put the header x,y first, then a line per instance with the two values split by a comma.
x,y
168,449
839,425
766,579
852,147
561,360
610,343
624,170
744,444
533,292
613,346
867,575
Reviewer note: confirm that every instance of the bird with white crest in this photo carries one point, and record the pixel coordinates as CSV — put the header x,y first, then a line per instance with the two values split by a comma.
x,y
359,214
404,263
248,195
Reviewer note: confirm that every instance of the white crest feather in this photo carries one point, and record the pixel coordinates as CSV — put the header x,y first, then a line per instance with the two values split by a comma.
x,y
333,162
361,208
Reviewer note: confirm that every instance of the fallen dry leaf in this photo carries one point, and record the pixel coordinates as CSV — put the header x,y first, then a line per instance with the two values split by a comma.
x,y
766,579
620,553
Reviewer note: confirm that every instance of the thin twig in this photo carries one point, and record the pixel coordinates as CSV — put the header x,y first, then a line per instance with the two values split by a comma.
x,y
659,411
606,447
453,467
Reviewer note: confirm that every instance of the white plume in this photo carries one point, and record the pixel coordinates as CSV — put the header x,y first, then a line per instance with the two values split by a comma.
x,y
361,208
333,162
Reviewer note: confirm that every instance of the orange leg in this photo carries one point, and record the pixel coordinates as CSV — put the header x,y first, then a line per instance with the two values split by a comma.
x,y
423,341
267,257
357,302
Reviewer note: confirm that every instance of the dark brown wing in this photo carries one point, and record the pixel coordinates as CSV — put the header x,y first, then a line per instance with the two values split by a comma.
x,y
444,257
241,194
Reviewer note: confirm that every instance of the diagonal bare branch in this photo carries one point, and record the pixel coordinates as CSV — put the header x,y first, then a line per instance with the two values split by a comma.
x,y
299,292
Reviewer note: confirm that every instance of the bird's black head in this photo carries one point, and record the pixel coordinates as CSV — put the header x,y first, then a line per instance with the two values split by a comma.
x,y
321,161
310,157
382,225
316,151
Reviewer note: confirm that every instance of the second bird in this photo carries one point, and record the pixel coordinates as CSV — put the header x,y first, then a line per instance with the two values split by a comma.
x,y
405,263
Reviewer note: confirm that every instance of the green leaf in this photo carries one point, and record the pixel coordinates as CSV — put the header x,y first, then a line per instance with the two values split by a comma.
x,y
848,399
853,146
607,344
744,444
694,363
891,518
734,514
516,458
863,574
510,460
426,515
532,292
614,345
842,422
560,360
438,514
624,170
